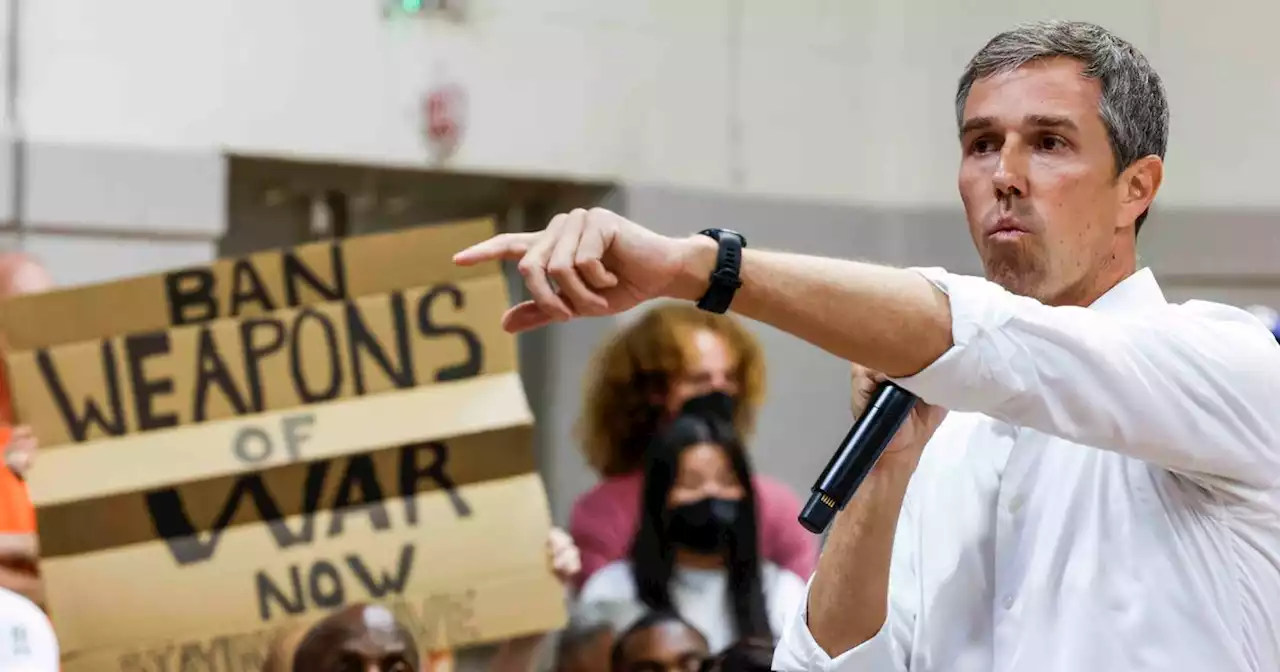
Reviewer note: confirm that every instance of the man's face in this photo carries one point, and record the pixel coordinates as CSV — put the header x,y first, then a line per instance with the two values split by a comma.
x,y
358,639
666,647
1045,208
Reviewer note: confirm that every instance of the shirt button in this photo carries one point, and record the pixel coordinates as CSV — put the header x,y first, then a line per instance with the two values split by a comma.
x,y
1008,602
1015,504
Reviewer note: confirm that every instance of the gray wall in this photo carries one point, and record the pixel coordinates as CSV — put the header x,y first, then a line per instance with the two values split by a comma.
x,y
95,213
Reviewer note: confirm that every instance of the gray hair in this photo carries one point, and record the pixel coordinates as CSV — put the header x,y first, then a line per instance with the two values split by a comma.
x,y
1133,105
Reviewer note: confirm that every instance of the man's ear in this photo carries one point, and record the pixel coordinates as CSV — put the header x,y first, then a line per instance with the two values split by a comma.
x,y
1139,184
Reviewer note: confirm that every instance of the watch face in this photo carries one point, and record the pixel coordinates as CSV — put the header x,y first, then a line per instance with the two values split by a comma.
x,y
716,233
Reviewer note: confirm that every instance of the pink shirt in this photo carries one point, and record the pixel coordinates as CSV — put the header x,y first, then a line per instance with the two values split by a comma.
x,y
604,519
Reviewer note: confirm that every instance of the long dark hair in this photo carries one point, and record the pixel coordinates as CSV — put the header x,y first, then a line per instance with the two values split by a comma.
x,y
652,552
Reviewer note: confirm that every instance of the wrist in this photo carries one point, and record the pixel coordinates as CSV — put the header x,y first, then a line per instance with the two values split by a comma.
x,y
697,256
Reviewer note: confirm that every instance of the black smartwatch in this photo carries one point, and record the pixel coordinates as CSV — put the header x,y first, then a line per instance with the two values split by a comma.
x,y
725,279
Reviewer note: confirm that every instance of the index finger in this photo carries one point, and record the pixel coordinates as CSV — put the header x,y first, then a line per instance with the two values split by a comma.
x,y
505,246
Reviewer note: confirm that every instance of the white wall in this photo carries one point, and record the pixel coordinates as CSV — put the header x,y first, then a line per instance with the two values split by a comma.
x,y
833,99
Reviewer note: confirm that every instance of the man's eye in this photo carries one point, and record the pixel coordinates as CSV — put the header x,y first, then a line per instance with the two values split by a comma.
x,y
1052,143
982,146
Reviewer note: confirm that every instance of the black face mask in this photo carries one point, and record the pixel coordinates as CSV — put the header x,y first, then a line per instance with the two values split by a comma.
x,y
704,526
716,405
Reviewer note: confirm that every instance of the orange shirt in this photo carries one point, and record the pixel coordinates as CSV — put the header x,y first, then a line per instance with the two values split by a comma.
x,y
16,512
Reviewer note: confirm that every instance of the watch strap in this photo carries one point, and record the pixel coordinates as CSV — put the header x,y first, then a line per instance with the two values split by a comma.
x,y
726,277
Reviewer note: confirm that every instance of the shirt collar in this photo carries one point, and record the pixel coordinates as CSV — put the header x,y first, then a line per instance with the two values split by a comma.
x,y
1135,291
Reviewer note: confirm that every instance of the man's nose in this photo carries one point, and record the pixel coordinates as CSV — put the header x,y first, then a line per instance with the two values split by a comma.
x,y
1010,178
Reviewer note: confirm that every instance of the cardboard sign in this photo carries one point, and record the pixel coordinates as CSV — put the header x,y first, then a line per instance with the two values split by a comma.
x,y
205,482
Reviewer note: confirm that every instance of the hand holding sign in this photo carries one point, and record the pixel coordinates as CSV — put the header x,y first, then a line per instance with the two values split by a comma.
x,y
601,264
20,451
563,556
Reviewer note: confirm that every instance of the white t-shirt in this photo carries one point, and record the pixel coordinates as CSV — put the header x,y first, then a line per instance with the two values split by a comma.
x,y
700,596
27,641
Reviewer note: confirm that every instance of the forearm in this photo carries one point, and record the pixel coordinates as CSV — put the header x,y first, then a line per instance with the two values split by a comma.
x,y
857,311
849,595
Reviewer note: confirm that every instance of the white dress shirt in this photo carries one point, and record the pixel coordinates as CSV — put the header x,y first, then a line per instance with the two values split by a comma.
x,y
1103,497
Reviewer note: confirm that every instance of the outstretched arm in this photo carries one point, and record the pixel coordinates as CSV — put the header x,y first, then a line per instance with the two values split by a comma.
x,y
1190,388
599,263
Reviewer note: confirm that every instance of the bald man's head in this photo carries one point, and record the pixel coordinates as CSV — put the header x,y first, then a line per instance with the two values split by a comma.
x,y
363,638
22,274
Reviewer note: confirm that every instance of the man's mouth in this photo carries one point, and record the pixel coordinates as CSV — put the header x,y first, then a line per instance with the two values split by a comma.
x,y
1007,229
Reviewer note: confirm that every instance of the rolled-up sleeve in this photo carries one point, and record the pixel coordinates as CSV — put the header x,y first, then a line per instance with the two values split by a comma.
x,y
798,652
1192,387
889,650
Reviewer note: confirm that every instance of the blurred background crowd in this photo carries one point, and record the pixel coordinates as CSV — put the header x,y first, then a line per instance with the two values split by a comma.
x,y
675,445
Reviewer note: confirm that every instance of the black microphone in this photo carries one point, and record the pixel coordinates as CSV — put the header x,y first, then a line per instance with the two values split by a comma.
x,y
862,446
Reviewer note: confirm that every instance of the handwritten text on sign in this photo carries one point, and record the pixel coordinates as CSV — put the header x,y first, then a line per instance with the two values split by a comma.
x,y
194,295
323,582
156,380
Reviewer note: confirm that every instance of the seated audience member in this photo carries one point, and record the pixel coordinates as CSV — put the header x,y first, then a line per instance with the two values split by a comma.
x,y
638,382
359,638
19,275
748,655
659,641
696,551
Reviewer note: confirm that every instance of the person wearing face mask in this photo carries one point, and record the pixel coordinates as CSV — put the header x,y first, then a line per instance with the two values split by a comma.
x,y
696,551
643,377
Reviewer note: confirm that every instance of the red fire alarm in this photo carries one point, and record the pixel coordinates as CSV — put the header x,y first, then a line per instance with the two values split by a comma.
x,y
444,112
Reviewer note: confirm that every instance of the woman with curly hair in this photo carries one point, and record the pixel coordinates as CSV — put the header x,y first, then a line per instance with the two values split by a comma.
x,y
672,356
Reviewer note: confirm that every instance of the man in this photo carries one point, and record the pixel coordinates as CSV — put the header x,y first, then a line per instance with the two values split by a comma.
x,y
19,274
660,641
360,637
1106,493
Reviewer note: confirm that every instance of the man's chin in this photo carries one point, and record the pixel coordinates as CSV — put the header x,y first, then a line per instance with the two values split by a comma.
x,y
1016,280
